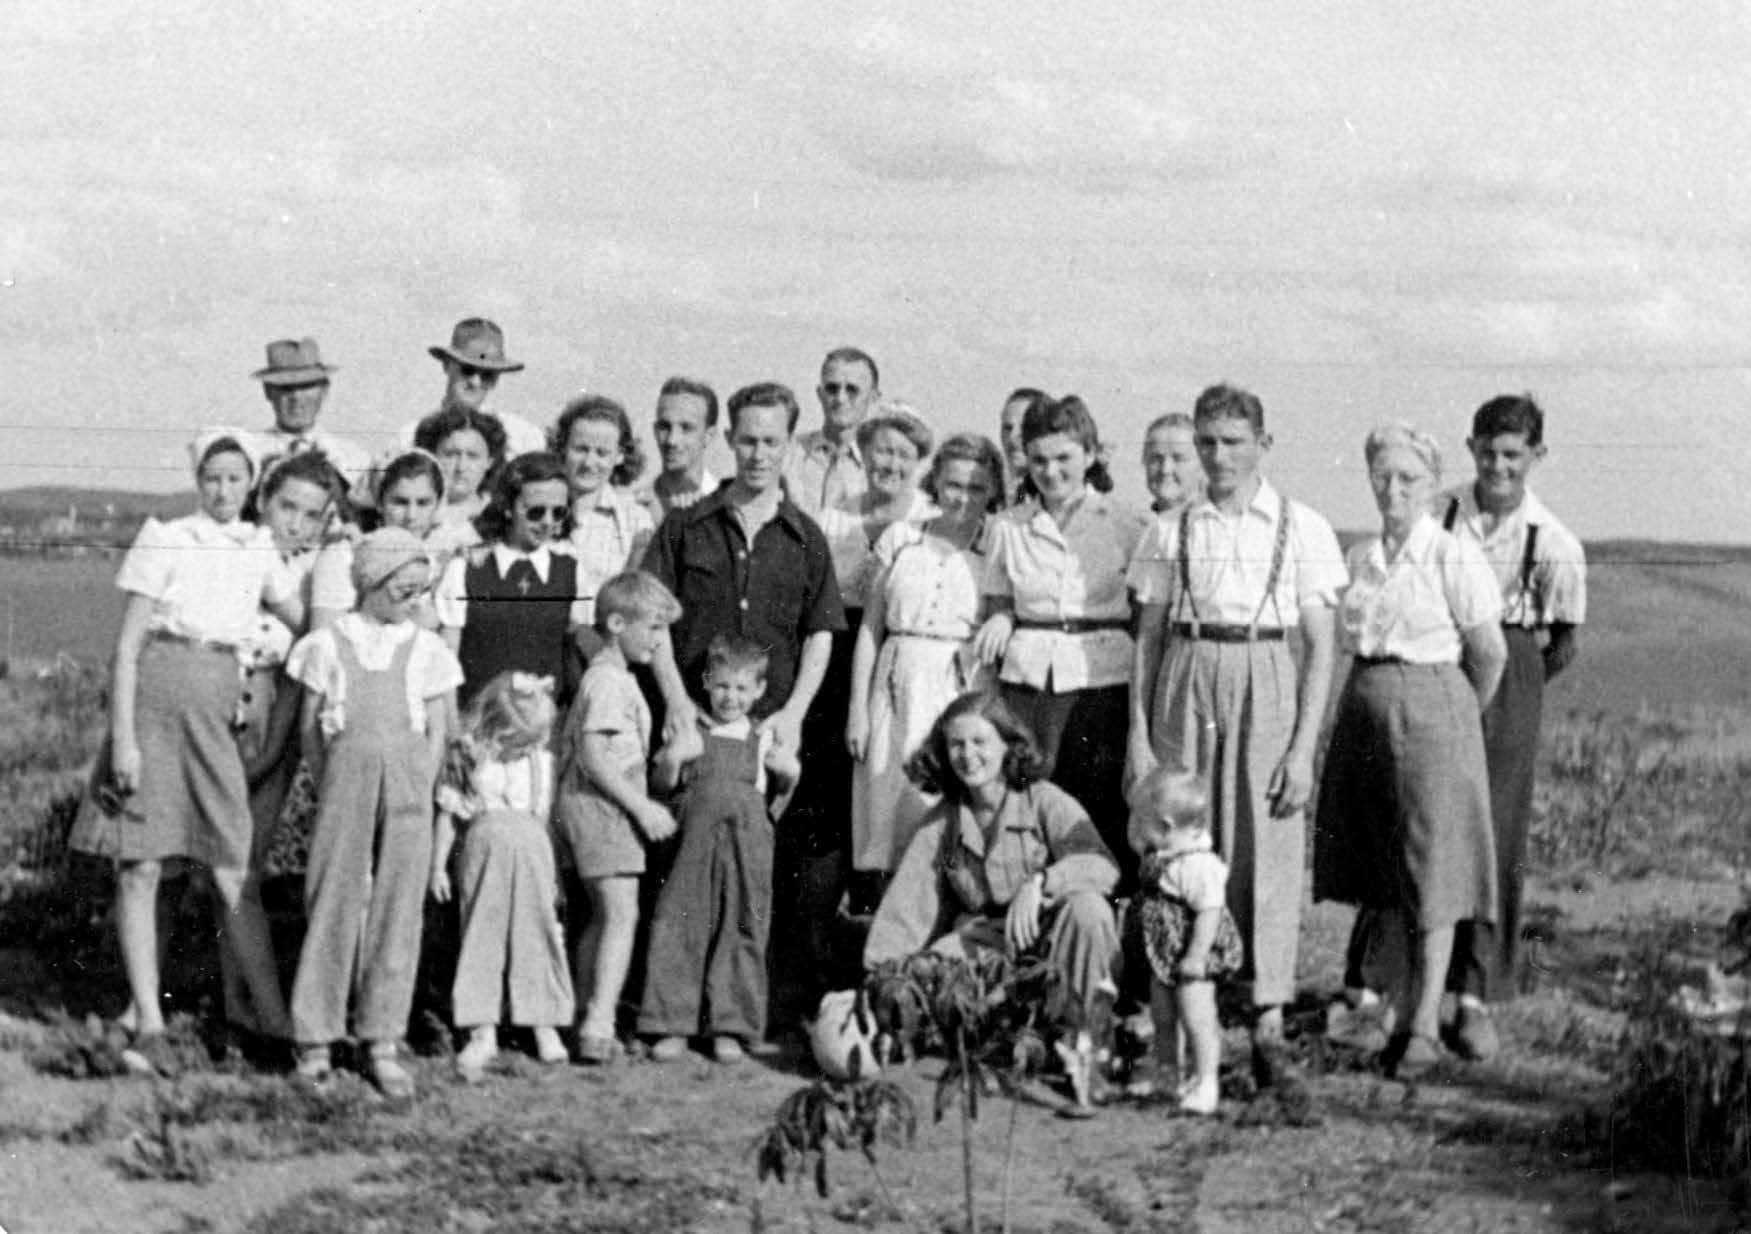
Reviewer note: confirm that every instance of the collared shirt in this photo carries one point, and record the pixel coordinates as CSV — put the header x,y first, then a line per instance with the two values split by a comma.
x,y
609,706
608,536
451,599
207,580
778,590
432,668
1229,562
928,586
819,474
352,460
853,551
953,867
1413,607
271,639
1556,591
1071,573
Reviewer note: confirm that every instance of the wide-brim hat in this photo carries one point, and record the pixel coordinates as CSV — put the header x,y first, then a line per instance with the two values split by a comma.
x,y
477,343
293,362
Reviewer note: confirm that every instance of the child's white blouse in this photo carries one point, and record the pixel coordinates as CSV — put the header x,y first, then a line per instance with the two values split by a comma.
x,y
524,784
315,663
1192,874
207,580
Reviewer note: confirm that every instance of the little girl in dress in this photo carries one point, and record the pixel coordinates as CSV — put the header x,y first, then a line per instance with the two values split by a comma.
x,y
498,783
1188,933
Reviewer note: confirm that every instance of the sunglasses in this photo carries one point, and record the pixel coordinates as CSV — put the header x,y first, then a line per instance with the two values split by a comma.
x,y
484,374
401,593
544,514
841,387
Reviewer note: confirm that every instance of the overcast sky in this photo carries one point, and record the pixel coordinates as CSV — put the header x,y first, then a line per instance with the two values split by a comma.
x,y
1359,211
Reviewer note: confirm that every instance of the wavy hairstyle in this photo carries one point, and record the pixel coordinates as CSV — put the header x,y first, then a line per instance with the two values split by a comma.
x,y
601,409
1070,415
436,428
968,448
928,767
535,467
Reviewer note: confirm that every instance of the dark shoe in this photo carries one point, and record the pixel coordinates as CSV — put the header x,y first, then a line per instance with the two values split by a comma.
x,y
1474,1034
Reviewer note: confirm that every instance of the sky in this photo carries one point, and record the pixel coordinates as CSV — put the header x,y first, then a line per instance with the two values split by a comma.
x,y
1358,211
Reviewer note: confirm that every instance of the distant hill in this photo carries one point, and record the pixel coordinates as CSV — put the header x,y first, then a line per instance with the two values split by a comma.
x,y
47,501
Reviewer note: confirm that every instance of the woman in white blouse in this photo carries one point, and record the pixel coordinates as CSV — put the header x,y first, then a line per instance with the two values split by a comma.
x,y
913,655
1403,826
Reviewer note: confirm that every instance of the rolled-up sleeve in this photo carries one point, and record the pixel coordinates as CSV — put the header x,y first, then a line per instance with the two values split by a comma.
x,y
915,909
1081,860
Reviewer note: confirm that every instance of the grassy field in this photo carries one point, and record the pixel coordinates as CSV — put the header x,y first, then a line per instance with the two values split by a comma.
x,y
1642,850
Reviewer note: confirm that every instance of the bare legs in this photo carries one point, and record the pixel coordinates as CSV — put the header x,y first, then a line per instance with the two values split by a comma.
x,y
604,952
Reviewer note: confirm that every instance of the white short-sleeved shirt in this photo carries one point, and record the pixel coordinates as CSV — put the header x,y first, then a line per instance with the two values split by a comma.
x,y
1413,607
1228,560
451,598
848,540
1073,573
1198,879
207,581
608,536
432,669
1556,590
524,784
270,641
453,530
610,704
819,475
928,586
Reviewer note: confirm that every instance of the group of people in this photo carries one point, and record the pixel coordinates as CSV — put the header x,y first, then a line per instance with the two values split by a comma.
x,y
952,687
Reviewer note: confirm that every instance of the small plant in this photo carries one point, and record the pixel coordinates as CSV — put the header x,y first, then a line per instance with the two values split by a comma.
x,y
842,1114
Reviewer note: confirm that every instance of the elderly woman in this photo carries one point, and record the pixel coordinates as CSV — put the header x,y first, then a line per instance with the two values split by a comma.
x,y
1404,818
1061,615
470,448
914,646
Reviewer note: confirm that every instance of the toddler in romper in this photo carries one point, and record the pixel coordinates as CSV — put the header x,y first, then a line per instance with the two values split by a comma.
x,y
707,967
1188,933
497,782
377,690
604,817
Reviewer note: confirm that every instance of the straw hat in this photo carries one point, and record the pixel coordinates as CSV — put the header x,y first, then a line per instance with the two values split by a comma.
x,y
293,362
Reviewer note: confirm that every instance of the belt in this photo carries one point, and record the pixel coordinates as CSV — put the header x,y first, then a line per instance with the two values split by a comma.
x,y
188,640
940,638
1075,625
1227,632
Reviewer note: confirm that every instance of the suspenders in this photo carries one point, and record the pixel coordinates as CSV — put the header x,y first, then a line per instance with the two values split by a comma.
x,y
1279,550
1528,556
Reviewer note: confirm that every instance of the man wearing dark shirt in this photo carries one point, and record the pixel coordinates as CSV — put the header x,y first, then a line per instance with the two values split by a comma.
x,y
746,560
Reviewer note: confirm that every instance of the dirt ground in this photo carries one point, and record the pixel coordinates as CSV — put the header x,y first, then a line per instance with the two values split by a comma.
x,y
650,1147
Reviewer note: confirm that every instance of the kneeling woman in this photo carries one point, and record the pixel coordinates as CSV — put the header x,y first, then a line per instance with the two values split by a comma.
x,y
1005,861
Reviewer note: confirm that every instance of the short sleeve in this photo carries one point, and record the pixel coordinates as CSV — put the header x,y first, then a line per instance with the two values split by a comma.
x,y
1203,880
146,570
331,579
315,664
433,667
607,702
1560,576
1474,597
1067,826
1320,574
997,580
1150,574
451,598
826,607
284,581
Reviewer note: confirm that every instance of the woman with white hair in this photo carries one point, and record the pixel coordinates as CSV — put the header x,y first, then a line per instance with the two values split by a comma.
x,y
1403,826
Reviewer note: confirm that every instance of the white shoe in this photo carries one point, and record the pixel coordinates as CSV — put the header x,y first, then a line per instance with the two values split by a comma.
x,y
482,1048
548,1047
1200,1095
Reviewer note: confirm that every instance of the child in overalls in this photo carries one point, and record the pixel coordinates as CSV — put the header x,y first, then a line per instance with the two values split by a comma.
x,y
707,968
377,690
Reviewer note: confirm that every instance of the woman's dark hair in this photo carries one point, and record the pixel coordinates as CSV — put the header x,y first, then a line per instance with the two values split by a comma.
x,y
535,467
968,448
311,466
603,410
929,769
1070,416
438,427
406,465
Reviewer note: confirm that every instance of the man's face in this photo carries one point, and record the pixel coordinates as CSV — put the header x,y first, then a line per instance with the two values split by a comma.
x,y
1230,450
758,439
467,386
296,407
847,389
680,432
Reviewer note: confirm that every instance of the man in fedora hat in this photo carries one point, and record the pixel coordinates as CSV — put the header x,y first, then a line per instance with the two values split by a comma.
x,y
295,382
473,363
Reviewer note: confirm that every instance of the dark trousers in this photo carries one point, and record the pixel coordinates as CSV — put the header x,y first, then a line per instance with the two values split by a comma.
x,y
1485,954
1082,738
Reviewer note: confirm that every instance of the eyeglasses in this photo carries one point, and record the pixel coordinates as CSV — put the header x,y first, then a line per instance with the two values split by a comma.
x,y
403,592
544,514
484,374
841,387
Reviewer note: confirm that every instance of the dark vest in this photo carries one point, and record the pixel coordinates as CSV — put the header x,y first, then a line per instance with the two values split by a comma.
x,y
510,630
